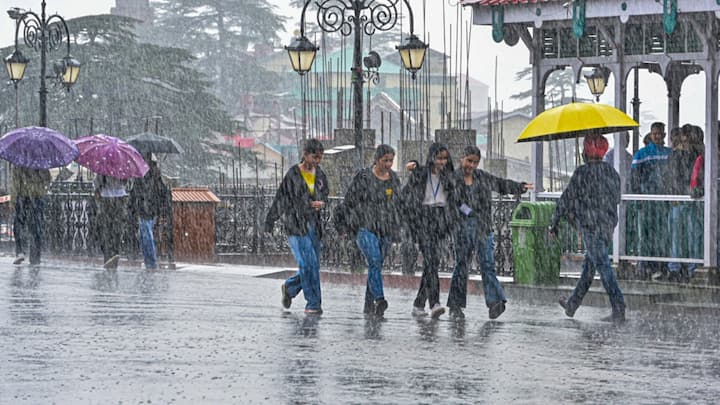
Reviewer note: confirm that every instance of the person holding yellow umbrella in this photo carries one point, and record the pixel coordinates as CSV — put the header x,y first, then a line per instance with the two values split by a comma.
x,y
591,200
593,193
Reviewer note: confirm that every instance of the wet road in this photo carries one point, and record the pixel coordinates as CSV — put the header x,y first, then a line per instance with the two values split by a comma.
x,y
70,334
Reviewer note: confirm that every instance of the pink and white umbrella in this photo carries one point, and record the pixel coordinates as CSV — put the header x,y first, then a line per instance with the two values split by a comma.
x,y
110,156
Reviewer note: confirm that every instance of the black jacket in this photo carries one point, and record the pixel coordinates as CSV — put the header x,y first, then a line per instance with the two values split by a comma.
x,y
149,195
590,199
374,204
292,201
413,194
478,196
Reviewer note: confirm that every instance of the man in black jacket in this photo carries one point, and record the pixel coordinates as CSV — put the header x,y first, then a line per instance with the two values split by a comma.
x,y
303,193
590,201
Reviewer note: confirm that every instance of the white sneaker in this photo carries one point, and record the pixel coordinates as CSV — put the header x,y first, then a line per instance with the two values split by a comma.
x,y
418,311
436,311
19,259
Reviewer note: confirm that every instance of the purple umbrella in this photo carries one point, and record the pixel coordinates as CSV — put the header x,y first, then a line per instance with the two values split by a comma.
x,y
37,148
110,156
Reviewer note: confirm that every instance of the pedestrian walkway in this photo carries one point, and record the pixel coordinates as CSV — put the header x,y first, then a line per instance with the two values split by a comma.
x,y
73,333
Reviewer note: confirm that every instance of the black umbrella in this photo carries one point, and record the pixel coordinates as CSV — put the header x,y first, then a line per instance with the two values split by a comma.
x,y
147,142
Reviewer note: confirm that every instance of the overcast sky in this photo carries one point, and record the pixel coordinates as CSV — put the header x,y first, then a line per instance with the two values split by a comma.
x,y
482,61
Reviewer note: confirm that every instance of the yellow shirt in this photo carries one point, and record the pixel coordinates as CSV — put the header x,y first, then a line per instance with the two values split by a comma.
x,y
309,180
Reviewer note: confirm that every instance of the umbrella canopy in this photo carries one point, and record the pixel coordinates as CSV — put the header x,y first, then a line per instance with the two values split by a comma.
x,y
575,120
37,148
111,156
147,142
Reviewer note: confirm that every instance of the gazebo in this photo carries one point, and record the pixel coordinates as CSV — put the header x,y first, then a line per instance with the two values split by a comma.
x,y
672,38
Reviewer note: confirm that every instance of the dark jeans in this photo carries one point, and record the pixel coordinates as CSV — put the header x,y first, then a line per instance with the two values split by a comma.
x,y
435,229
596,258
112,220
29,217
467,242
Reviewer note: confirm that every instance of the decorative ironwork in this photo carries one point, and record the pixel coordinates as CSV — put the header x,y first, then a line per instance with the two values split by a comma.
x,y
53,29
369,15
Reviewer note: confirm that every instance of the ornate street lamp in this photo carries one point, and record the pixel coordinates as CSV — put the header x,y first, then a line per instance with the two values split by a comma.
x,y
356,17
44,34
412,53
596,82
302,54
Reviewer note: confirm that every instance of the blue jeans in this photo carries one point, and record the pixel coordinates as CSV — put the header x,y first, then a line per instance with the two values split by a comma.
x,y
467,241
596,258
29,217
306,250
374,249
685,232
147,243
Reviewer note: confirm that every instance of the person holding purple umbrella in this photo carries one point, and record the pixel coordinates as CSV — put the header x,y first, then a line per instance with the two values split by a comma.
x,y
28,189
111,197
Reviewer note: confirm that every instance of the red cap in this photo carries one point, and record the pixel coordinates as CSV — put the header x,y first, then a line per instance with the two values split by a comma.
x,y
595,146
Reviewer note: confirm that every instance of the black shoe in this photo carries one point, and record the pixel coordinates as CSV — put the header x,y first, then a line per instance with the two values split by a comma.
x,y
568,311
380,307
286,300
456,313
615,317
496,309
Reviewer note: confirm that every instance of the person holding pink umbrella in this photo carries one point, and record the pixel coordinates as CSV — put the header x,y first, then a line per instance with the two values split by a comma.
x,y
115,161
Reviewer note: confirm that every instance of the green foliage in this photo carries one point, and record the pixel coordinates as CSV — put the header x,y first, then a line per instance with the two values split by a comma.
x,y
122,84
220,34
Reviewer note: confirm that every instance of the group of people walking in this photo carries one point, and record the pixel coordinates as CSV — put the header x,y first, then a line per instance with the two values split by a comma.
x,y
116,203
436,202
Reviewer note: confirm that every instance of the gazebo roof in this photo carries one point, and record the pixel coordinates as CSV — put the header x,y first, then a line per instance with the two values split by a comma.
x,y
502,2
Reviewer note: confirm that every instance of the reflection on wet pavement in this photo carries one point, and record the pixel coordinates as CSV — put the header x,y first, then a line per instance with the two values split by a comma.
x,y
83,335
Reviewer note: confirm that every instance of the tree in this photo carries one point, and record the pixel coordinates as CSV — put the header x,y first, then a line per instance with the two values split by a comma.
x,y
122,84
558,89
221,34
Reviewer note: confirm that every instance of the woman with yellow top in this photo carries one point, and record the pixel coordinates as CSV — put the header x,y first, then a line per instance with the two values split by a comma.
x,y
373,203
303,193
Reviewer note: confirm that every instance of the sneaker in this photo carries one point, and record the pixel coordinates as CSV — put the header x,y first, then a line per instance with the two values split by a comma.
x,y
496,309
456,313
419,311
313,311
615,317
19,259
111,263
286,300
568,311
436,311
380,307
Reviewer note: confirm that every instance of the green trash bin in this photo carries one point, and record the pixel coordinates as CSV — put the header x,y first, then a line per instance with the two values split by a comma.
x,y
536,257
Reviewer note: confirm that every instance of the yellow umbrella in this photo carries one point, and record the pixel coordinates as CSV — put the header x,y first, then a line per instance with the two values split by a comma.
x,y
575,120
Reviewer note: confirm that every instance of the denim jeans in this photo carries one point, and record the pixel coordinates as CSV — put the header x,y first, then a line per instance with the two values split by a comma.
x,y
29,217
147,243
596,258
686,235
467,241
306,250
374,249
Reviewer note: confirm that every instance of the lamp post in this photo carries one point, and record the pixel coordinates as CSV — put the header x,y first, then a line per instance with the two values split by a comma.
x,y
44,34
355,17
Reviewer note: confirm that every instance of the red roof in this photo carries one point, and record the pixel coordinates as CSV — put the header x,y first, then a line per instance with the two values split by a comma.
x,y
502,2
194,194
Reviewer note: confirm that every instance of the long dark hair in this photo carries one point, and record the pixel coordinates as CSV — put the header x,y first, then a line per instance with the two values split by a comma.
x,y
434,149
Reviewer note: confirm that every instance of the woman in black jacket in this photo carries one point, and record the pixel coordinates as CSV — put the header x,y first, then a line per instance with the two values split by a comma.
x,y
473,232
374,206
428,197
303,193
